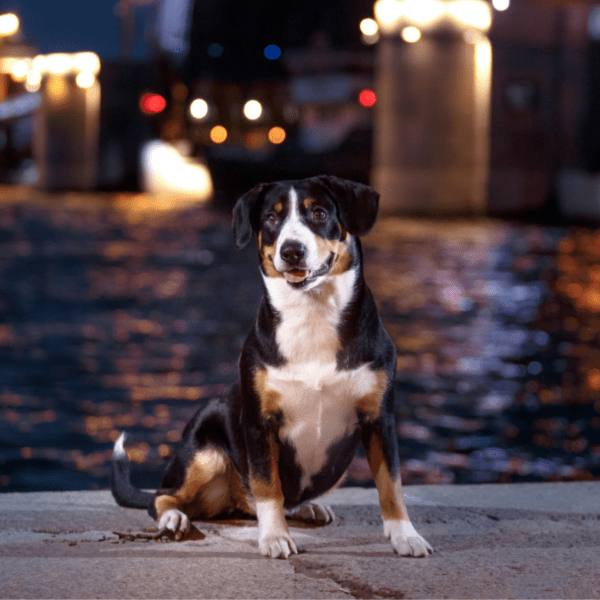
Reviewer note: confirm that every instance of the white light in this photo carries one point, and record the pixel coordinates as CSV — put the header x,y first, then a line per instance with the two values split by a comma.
x,y
19,70
388,13
40,63
86,61
501,4
392,15
199,108
471,13
166,171
368,27
423,12
9,24
252,110
85,79
34,80
411,34
58,64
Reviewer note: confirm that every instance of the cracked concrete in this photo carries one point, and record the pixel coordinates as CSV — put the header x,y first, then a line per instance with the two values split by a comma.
x,y
517,541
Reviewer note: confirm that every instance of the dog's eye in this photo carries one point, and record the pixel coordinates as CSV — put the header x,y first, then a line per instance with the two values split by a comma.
x,y
272,219
319,214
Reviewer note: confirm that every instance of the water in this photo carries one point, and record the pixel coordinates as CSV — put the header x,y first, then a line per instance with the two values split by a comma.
x,y
116,317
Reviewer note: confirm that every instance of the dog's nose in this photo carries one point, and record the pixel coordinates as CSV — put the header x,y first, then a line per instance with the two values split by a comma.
x,y
292,252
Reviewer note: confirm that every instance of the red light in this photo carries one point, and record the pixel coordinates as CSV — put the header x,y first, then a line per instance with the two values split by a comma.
x,y
152,103
367,98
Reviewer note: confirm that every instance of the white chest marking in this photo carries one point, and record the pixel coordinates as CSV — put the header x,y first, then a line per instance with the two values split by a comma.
x,y
318,406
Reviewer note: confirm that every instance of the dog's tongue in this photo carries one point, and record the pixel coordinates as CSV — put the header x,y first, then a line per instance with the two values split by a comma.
x,y
295,276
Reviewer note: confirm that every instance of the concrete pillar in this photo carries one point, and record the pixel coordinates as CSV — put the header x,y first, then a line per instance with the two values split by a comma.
x,y
431,139
67,131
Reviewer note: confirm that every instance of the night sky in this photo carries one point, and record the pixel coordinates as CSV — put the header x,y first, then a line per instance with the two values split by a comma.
x,y
81,25
68,25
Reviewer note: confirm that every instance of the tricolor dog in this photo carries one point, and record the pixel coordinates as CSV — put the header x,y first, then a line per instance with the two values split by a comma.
x,y
315,379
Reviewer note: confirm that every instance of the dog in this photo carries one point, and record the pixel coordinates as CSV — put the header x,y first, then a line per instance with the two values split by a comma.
x,y
315,379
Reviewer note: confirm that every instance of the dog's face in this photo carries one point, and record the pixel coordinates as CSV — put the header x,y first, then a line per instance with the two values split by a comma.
x,y
304,228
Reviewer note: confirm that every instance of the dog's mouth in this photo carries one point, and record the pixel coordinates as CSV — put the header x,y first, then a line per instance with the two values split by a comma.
x,y
301,277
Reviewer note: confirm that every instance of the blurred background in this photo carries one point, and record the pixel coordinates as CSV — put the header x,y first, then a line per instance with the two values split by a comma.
x,y
129,128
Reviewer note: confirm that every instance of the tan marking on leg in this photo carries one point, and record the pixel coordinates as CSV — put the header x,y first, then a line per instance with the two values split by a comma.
x,y
370,404
268,489
268,398
391,496
197,496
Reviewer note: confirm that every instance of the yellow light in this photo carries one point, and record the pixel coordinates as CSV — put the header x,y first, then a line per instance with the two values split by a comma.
x,y
471,13
276,135
501,4
85,79
369,27
19,70
423,13
9,24
199,108
86,61
252,110
411,34
388,13
39,63
58,64
34,80
58,91
218,134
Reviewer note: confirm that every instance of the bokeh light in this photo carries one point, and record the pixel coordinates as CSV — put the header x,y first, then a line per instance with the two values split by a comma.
x,y
218,134
253,110
276,135
199,108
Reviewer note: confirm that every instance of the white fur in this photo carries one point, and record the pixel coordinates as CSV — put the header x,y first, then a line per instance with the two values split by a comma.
x,y
174,520
274,539
405,539
119,448
293,229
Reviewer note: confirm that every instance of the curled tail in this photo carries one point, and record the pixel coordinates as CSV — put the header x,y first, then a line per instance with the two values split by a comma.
x,y
122,489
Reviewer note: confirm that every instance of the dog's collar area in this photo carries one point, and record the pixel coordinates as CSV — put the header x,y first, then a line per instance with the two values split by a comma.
x,y
312,275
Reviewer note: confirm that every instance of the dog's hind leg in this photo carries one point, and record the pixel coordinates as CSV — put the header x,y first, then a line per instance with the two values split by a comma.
x,y
211,486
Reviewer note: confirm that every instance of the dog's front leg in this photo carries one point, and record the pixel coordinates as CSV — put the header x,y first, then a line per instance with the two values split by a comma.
x,y
381,447
274,539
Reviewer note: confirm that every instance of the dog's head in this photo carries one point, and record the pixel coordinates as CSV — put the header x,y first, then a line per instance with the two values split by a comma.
x,y
305,228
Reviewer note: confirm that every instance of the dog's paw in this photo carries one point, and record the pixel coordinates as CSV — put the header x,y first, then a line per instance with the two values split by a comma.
x,y
405,539
311,512
277,546
176,521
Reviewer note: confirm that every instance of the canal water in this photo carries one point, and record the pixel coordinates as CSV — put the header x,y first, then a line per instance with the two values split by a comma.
x,y
116,316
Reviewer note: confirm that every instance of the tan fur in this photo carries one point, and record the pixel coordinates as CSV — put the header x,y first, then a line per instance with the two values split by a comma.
x,y
268,398
268,490
212,485
370,404
391,496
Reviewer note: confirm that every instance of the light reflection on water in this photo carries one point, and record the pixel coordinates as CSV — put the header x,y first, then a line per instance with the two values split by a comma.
x,y
490,380
110,323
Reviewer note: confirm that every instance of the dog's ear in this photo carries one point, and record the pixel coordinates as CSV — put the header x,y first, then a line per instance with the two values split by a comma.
x,y
246,214
357,203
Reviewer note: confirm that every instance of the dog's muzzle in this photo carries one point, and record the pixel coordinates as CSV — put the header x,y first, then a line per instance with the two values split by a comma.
x,y
300,277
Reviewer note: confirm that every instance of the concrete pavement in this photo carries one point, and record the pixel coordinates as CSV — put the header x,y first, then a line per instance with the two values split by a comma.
x,y
491,541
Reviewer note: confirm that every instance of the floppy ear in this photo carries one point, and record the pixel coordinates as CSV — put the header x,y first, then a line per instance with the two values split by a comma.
x,y
245,215
357,203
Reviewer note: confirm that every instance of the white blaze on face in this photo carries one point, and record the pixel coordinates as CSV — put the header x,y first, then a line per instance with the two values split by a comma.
x,y
294,230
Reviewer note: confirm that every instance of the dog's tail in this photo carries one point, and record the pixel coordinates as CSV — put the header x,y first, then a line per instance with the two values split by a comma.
x,y
121,487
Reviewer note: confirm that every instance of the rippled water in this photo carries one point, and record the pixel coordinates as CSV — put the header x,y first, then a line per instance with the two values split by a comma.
x,y
114,319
